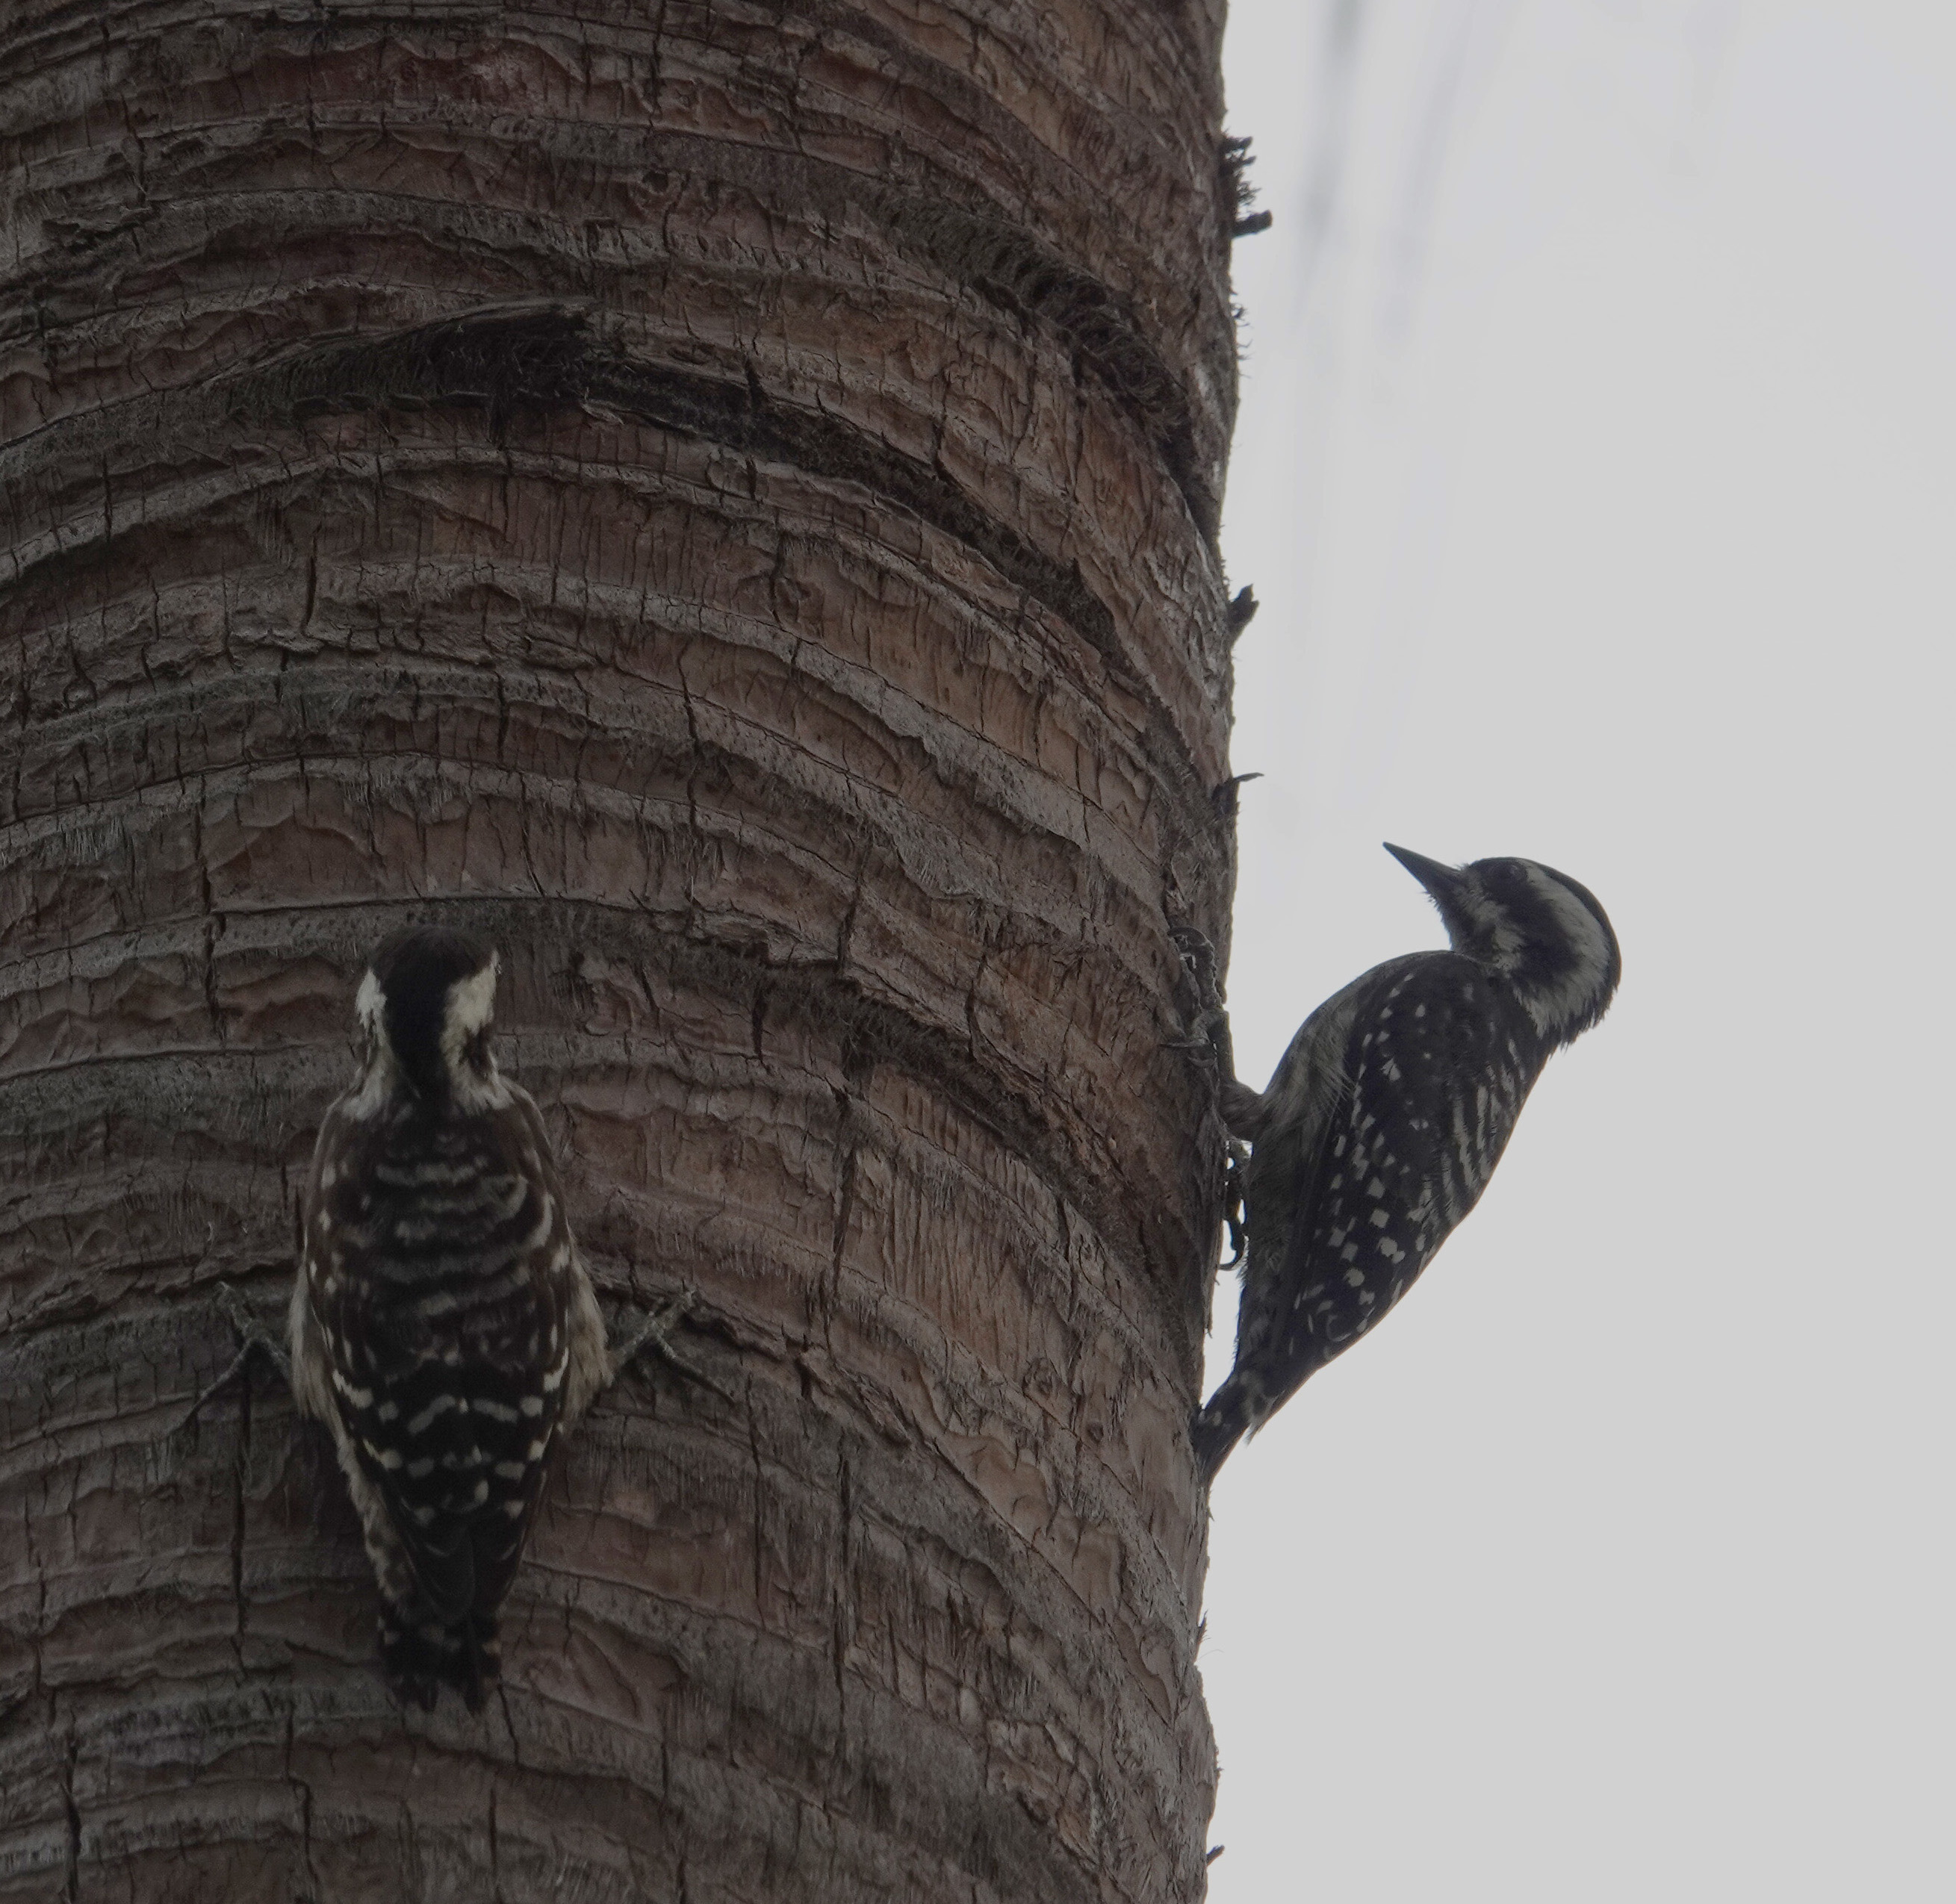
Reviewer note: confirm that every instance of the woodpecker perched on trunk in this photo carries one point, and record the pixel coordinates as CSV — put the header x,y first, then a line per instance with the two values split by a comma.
x,y
442,1325
1386,1116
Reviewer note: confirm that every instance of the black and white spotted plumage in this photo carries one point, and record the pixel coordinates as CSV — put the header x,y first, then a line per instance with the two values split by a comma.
x,y
442,1325
1387,1115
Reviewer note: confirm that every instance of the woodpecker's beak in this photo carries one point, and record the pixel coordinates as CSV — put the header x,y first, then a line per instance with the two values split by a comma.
x,y
1441,881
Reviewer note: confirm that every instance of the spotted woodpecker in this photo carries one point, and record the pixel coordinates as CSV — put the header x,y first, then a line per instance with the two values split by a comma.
x,y
1386,1116
442,1325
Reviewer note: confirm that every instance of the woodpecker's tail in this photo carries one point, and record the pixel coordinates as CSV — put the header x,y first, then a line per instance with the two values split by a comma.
x,y
1216,1427
421,1655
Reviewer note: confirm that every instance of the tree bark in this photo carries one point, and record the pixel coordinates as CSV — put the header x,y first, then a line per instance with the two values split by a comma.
x,y
721,500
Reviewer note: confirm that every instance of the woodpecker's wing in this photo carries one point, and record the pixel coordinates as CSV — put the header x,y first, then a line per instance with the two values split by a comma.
x,y
437,1261
1307,1103
1441,1059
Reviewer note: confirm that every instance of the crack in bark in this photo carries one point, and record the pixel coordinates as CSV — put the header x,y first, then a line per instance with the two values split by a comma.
x,y
840,1634
238,1514
304,1791
845,1208
495,1847
71,1889
213,922
694,765
509,1724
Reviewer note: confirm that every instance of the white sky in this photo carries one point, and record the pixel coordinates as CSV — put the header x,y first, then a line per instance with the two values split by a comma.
x,y
1597,470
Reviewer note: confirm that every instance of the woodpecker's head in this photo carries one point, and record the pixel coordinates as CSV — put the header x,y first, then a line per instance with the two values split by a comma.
x,y
1543,933
425,1004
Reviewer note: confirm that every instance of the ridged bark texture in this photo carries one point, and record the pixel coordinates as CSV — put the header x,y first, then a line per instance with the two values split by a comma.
x,y
720,498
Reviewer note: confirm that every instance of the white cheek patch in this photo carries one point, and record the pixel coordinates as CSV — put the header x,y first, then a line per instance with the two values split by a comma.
x,y
369,1006
369,1011
472,1002
470,1006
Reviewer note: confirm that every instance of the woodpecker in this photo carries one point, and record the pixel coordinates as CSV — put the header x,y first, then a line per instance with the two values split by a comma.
x,y
442,1325
1386,1115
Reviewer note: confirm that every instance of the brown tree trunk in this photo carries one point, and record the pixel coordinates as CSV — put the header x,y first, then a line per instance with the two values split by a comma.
x,y
720,498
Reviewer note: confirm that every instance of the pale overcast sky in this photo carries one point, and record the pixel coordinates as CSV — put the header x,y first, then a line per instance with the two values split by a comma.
x,y
1597,470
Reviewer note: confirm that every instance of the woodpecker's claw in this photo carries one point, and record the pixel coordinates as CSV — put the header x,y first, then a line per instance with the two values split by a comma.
x,y
252,1339
1202,1043
654,1331
1198,958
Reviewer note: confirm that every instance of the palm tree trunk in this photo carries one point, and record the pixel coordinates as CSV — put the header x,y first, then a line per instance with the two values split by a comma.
x,y
720,498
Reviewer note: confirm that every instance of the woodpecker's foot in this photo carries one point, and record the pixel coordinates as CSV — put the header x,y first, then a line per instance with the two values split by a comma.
x,y
654,1332
1234,1216
1244,1111
252,1341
